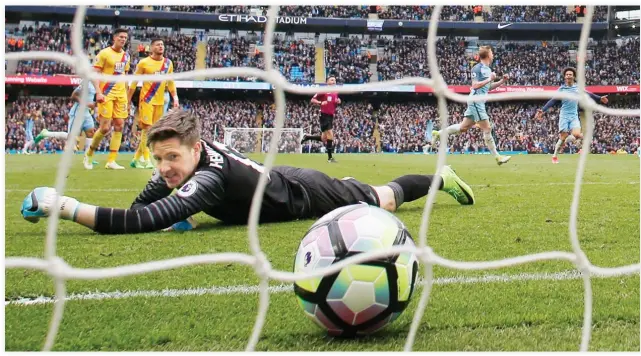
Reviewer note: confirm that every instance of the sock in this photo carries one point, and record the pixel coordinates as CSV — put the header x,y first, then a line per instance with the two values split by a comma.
x,y
26,146
62,135
330,148
87,143
314,138
411,187
569,139
95,142
489,142
453,129
557,147
147,154
114,146
141,145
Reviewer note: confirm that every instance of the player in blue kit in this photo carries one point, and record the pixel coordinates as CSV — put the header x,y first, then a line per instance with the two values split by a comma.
x,y
88,126
476,114
569,124
28,131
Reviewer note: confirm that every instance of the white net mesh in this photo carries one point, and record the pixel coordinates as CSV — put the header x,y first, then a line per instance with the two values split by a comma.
x,y
258,140
60,271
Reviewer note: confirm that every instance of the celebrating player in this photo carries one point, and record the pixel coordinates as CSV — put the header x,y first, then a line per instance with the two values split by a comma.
x,y
327,102
111,97
87,122
150,108
28,130
482,83
569,122
217,180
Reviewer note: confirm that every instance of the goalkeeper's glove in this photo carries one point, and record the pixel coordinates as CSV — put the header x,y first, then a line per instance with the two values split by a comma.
x,y
39,203
185,225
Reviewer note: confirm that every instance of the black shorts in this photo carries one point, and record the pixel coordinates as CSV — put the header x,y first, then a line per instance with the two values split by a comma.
x,y
326,122
326,193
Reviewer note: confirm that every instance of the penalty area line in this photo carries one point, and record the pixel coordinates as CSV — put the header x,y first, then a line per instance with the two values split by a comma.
x,y
254,289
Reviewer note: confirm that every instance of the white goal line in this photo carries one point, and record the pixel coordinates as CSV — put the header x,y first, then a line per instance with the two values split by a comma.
x,y
253,289
61,272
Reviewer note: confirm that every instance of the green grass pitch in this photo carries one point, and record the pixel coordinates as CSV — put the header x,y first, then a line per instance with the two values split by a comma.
x,y
522,208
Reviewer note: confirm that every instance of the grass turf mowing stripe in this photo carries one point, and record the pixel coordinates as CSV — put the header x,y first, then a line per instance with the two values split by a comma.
x,y
245,289
116,190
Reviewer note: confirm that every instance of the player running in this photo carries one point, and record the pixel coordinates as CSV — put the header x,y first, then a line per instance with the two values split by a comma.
x,y
111,97
152,98
482,83
217,180
87,122
327,102
569,123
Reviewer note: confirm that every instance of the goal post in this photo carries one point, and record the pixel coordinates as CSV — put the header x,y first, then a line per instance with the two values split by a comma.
x,y
257,140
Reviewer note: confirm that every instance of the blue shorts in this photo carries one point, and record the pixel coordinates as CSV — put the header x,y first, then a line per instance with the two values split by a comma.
x,y
477,112
87,123
567,124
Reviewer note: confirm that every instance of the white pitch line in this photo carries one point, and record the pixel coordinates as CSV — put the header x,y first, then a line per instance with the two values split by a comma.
x,y
106,190
245,289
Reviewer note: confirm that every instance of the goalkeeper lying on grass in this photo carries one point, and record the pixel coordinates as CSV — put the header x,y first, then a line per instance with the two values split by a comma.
x,y
217,180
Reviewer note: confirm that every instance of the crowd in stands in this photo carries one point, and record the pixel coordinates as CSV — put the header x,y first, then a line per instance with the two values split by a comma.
x,y
408,57
401,125
527,63
407,12
348,60
539,14
424,13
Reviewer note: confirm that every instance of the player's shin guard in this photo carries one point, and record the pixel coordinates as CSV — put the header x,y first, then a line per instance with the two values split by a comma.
x,y
330,147
95,142
114,146
489,142
411,187
88,141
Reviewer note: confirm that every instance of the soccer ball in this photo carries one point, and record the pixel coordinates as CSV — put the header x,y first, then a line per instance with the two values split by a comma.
x,y
362,298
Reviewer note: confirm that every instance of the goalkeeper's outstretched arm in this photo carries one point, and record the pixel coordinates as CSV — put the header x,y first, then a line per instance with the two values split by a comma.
x,y
155,190
205,190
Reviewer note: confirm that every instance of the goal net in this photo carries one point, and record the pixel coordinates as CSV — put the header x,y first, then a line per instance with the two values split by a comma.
x,y
258,140
62,272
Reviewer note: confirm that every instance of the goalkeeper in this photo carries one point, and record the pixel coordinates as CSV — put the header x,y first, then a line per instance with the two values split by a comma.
x,y
217,180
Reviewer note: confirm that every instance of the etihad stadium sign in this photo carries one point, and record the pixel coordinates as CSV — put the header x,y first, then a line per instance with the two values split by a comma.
x,y
262,19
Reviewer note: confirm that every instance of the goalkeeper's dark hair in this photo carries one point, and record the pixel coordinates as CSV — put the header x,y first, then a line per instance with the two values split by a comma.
x,y
569,69
177,123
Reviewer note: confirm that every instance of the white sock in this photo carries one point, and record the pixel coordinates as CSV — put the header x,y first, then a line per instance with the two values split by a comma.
x,y
569,139
62,135
453,129
557,147
489,142
88,143
26,146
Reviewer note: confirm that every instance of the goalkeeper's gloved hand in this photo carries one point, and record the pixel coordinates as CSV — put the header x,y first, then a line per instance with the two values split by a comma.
x,y
185,225
39,203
